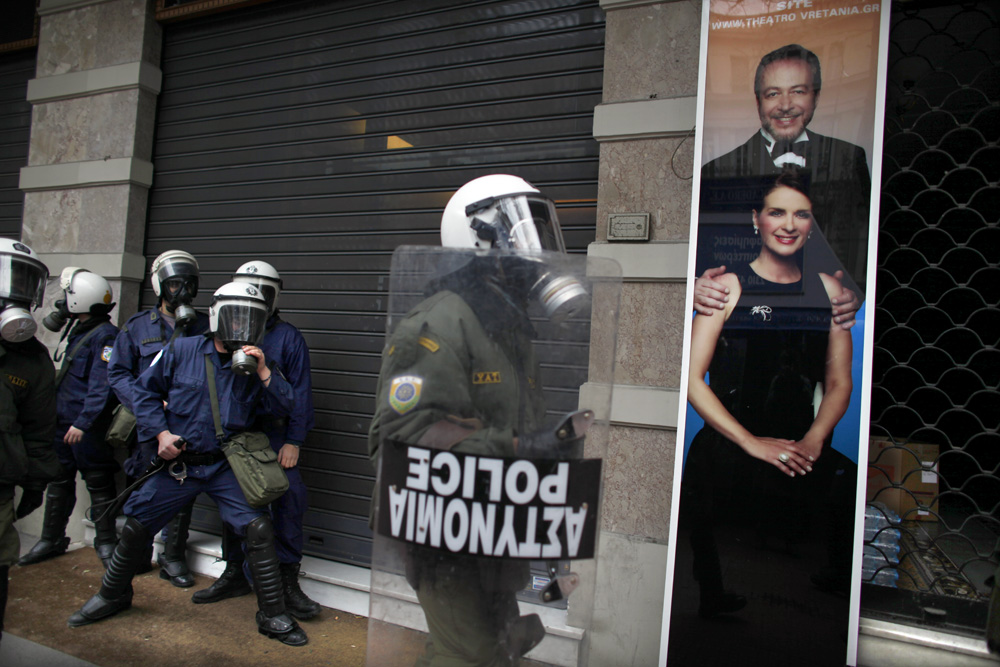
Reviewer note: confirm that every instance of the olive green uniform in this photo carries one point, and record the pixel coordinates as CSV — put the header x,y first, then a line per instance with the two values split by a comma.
x,y
460,373
27,426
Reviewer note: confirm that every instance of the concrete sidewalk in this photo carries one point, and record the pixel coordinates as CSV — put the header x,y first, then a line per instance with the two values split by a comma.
x,y
163,627
17,652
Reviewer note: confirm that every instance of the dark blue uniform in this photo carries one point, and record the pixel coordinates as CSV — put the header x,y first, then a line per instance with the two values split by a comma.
x,y
178,377
82,400
284,345
140,340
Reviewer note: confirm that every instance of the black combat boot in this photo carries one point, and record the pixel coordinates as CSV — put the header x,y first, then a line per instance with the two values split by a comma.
x,y
232,583
101,486
297,603
272,619
60,497
116,586
173,560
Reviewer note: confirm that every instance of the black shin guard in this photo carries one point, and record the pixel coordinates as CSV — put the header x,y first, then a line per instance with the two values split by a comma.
x,y
116,586
173,560
101,486
272,619
60,497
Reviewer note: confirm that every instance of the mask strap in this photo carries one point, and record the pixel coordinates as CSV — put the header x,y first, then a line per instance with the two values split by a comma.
x,y
57,356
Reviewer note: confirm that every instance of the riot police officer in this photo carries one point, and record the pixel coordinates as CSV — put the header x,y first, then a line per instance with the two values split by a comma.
x,y
285,347
174,275
185,376
459,373
27,400
83,408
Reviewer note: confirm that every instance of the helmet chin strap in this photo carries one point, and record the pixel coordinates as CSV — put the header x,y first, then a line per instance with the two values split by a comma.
x,y
484,231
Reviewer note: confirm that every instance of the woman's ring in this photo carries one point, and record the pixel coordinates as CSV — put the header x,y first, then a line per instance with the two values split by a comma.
x,y
783,457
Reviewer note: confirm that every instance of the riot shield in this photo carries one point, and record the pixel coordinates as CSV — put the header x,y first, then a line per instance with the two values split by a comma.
x,y
490,429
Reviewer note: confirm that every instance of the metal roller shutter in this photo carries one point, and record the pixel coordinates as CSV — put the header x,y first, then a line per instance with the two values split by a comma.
x,y
15,131
319,136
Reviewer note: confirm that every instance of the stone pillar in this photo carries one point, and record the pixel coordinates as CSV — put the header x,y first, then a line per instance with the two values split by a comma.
x,y
89,169
646,129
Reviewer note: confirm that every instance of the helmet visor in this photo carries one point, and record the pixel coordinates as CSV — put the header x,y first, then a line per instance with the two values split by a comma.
x,y
177,268
22,279
267,286
241,323
527,222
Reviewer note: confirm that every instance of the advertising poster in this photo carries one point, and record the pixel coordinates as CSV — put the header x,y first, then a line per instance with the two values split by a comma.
x,y
765,549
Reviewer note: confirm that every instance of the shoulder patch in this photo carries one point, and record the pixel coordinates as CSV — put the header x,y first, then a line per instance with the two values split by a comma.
x,y
17,381
106,353
404,392
428,343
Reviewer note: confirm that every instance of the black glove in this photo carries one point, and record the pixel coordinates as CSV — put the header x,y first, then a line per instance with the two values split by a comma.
x,y
31,499
563,441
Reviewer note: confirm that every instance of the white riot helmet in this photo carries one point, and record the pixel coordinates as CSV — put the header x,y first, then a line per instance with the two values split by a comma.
x,y
237,317
174,275
83,292
501,211
86,292
22,286
506,212
264,277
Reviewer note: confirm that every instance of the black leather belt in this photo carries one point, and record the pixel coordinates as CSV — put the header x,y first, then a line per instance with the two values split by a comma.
x,y
271,423
199,458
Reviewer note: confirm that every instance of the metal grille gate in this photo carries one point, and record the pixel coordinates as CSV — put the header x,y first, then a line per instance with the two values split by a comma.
x,y
937,367
318,136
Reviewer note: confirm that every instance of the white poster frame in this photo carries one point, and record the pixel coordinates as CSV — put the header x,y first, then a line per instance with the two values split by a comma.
x,y
884,11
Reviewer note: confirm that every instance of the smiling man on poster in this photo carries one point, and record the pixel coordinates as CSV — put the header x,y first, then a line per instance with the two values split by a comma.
x,y
787,87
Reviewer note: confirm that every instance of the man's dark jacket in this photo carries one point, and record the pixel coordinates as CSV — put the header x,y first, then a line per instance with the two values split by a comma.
x,y
839,188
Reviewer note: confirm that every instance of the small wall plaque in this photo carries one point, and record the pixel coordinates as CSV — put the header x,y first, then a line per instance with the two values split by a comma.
x,y
628,227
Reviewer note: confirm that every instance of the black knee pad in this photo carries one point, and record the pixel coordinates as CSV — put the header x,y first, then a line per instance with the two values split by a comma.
x,y
134,534
260,531
99,479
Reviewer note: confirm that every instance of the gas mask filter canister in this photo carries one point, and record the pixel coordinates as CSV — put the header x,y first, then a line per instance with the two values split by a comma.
x,y
57,319
16,324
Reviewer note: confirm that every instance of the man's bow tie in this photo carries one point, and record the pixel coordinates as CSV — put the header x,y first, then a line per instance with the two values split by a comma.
x,y
788,152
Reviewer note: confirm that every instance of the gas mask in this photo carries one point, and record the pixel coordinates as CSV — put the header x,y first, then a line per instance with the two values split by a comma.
x,y
524,225
174,276
237,317
22,284
532,278
178,294
57,319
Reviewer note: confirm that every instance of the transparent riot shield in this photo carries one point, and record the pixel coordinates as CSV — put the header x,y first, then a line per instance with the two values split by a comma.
x,y
490,430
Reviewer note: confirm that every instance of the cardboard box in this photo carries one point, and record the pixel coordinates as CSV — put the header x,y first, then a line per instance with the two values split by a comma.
x,y
904,477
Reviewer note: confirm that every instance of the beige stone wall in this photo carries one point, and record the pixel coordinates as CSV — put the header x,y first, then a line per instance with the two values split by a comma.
x,y
80,127
86,182
651,57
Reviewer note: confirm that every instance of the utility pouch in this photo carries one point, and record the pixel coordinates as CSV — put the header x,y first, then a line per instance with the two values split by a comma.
x,y
256,467
249,453
122,430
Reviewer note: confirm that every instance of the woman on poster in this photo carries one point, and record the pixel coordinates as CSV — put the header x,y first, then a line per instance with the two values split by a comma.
x,y
771,379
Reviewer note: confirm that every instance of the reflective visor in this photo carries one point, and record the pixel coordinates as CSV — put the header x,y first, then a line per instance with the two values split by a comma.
x,y
176,268
527,222
241,322
22,279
